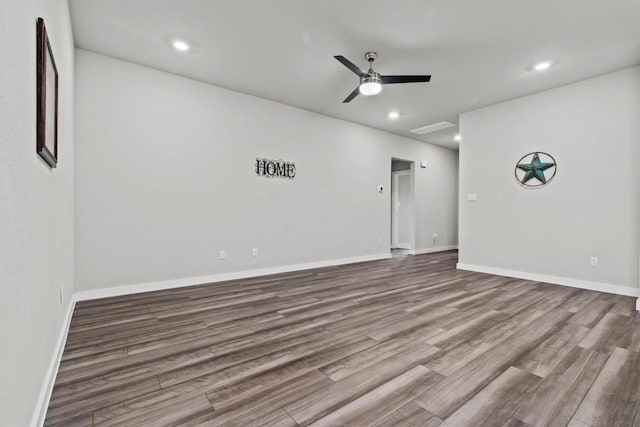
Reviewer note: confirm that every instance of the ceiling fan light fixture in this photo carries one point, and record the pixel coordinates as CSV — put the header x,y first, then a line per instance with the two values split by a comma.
x,y
370,85
370,88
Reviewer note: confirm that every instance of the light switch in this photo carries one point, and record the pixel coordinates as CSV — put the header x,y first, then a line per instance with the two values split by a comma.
x,y
472,197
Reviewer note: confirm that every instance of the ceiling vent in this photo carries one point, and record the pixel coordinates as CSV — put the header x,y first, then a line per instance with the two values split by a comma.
x,y
432,128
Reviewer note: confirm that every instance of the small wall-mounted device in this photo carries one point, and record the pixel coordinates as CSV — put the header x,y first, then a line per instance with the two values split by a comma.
x,y
423,164
380,188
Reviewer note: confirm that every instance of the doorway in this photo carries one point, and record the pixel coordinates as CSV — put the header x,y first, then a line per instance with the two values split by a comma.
x,y
402,206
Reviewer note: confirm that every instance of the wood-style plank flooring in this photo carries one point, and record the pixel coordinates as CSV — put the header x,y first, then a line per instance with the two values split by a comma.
x,y
401,342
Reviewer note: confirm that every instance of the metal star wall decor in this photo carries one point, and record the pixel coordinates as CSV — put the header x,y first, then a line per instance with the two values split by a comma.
x,y
535,169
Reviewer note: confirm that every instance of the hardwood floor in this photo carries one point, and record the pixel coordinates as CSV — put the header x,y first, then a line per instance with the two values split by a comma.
x,y
400,342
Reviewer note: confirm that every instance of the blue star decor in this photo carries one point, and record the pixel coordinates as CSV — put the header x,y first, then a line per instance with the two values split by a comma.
x,y
535,169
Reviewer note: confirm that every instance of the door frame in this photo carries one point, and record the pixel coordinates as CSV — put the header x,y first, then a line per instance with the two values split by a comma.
x,y
393,220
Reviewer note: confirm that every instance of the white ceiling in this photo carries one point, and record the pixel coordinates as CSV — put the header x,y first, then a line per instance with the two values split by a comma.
x,y
478,52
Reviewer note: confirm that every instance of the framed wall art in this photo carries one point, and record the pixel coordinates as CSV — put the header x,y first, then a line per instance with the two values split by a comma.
x,y
47,94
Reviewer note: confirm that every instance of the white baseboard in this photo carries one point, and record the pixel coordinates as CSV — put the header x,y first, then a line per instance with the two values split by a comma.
x,y
42,405
190,281
401,246
565,281
432,250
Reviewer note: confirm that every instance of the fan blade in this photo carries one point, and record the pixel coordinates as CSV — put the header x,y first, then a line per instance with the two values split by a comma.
x,y
385,80
350,65
352,95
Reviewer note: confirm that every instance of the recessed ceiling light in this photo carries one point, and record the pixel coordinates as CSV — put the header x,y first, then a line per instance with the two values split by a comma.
x,y
541,66
393,115
180,45
457,138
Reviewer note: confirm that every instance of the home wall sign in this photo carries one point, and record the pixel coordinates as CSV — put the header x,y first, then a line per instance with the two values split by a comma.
x,y
275,168
535,169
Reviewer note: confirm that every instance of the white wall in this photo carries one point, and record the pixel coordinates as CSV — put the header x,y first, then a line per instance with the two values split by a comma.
x,y
36,208
590,208
165,179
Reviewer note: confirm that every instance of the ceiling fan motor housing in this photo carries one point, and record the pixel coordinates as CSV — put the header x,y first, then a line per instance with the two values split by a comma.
x,y
373,77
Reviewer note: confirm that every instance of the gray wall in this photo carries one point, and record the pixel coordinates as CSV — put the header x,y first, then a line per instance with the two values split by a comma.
x,y
591,208
36,208
165,179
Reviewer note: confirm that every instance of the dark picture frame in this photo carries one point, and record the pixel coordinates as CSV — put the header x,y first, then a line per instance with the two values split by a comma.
x,y
47,93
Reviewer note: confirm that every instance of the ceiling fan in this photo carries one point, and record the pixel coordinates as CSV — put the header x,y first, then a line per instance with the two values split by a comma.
x,y
370,81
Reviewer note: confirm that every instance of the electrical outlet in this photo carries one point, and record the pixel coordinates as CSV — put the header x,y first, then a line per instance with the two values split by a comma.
x,y
61,295
435,238
223,254
593,261
379,241
254,251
